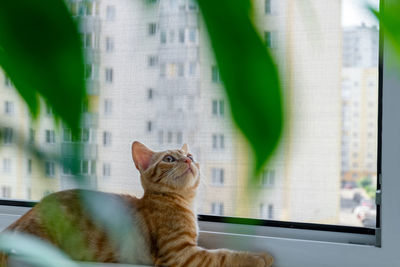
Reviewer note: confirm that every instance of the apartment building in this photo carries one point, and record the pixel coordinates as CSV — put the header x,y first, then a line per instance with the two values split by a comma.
x,y
360,102
152,77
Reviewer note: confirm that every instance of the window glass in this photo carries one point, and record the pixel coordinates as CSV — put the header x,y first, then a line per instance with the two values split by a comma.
x,y
325,169
109,44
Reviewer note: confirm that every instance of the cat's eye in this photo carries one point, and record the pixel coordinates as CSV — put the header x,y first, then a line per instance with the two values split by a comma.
x,y
190,156
168,158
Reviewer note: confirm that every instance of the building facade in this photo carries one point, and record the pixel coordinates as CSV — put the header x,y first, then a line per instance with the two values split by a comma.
x,y
152,77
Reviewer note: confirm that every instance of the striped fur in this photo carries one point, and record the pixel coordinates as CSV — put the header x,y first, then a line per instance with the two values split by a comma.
x,y
164,216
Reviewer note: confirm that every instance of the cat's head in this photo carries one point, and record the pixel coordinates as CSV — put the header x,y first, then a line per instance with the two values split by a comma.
x,y
167,171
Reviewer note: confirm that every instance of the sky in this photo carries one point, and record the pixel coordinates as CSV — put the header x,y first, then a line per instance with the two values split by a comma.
x,y
354,12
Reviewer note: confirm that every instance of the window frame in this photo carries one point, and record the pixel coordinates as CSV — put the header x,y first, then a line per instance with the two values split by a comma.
x,y
295,244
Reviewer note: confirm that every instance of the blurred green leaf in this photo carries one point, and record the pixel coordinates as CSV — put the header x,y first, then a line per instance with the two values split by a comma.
x,y
389,21
249,74
59,224
40,51
33,250
113,214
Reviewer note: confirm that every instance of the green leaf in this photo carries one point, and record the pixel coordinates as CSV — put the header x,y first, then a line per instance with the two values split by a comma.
x,y
33,250
40,50
112,213
57,223
390,23
249,74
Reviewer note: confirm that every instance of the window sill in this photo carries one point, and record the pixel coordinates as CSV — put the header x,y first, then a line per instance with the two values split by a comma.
x,y
286,251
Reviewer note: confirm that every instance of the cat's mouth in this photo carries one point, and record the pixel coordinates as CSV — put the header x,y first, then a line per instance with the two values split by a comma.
x,y
189,170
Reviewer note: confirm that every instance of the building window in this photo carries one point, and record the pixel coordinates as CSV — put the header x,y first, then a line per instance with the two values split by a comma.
x,y
109,75
8,136
163,69
182,36
152,28
90,8
8,107
193,35
268,39
88,167
150,93
270,211
67,136
163,37
6,191
215,74
152,61
217,175
7,165
179,138
85,105
50,137
171,70
217,208
221,141
31,136
7,81
192,68
192,5
29,166
106,169
181,70
149,126
85,133
171,36
67,166
169,137
218,107
49,110
268,178
88,41
106,138
267,7
50,168
110,13
160,137
218,141
107,106
267,212
89,71
109,44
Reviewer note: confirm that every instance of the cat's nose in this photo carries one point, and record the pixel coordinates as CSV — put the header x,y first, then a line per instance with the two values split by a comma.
x,y
187,160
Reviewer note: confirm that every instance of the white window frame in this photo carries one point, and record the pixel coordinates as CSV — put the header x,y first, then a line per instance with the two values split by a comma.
x,y
312,248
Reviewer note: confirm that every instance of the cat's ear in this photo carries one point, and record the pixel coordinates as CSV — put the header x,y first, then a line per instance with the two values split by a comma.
x,y
141,155
185,148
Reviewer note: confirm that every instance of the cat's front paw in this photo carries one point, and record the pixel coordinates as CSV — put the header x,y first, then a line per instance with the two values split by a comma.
x,y
264,259
268,259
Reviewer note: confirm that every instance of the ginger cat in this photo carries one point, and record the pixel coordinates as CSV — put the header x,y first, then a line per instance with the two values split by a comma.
x,y
165,218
